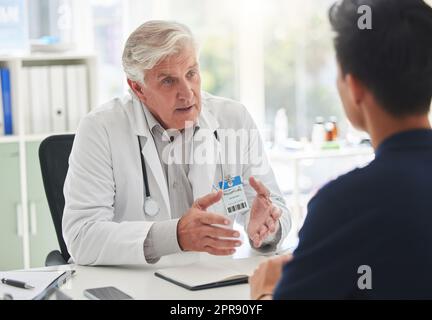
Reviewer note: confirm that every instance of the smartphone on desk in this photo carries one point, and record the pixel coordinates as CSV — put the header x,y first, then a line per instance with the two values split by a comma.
x,y
106,293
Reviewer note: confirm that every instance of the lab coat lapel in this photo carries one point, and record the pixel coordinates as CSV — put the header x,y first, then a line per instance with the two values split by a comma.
x,y
152,160
150,152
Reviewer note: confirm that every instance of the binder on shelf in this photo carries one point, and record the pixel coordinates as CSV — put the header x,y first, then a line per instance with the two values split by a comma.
x,y
1,112
7,102
18,104
39,100
25,101
76,95
83,90
58,98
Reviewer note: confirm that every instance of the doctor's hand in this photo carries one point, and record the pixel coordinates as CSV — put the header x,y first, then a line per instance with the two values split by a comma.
x,y
264,216
196,230
265,277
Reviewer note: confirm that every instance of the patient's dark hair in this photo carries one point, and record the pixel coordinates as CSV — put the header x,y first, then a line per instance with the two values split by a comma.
x,y
393,59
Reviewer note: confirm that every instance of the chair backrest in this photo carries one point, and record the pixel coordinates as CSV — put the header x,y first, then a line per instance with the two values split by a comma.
x,y
54,154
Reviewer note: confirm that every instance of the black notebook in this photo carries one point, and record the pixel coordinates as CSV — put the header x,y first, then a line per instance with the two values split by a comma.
x,y
211,274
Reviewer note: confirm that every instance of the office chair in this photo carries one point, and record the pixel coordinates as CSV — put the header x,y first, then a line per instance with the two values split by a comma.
x,y
54,154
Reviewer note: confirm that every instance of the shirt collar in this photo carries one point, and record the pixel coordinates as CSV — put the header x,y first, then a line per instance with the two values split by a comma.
x,y
136,112
151,120
154,126
157,129
417,138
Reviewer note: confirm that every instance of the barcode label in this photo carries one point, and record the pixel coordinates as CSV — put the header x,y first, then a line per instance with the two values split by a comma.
x,y
237,207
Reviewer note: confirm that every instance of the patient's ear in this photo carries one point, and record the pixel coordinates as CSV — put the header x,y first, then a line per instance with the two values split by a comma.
x,y
356,90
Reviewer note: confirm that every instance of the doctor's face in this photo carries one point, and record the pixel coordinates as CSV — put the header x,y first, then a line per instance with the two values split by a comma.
x,y
172,90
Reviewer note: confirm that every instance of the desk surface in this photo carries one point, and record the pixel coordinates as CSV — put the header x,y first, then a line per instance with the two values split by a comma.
x,y
141,283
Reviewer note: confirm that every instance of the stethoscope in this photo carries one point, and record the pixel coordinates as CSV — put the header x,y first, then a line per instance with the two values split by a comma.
x,y
151,207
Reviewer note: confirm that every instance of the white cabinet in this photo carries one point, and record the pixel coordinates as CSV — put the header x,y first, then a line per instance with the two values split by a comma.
x,y
26,229
11,213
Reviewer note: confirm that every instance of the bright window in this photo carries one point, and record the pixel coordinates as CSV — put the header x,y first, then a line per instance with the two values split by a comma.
x,y
300,68
214,26
267,54
107,17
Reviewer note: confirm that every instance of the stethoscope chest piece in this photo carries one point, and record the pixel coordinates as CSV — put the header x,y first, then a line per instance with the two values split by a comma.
x,y
151,207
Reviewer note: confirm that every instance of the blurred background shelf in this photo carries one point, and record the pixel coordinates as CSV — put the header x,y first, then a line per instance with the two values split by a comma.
x,y
9,139
26,231
300,174
29,138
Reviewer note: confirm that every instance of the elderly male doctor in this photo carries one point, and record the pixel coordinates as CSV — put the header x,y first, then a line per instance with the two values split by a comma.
x,y
128,202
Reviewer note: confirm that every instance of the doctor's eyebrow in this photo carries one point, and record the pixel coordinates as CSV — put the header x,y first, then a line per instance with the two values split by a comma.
x,y
165,75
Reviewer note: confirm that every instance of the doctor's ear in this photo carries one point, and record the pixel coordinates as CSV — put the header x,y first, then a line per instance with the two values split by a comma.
x,y
136,88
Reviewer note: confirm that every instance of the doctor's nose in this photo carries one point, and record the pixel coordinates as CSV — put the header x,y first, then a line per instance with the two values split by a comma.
x,y
185,93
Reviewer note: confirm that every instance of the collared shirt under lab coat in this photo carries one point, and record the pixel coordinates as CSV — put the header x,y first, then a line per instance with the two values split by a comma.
x,y
162,237
104,221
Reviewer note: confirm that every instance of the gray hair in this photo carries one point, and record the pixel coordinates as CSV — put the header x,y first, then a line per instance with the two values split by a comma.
x,y
152,42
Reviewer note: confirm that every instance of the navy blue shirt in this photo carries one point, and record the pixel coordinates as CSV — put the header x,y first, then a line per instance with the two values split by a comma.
x,y
379,216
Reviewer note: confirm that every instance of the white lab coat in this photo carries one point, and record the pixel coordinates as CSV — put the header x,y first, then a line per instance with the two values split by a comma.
x,y
104,222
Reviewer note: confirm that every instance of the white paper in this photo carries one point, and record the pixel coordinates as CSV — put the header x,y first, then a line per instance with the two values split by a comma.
x,y
40,280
